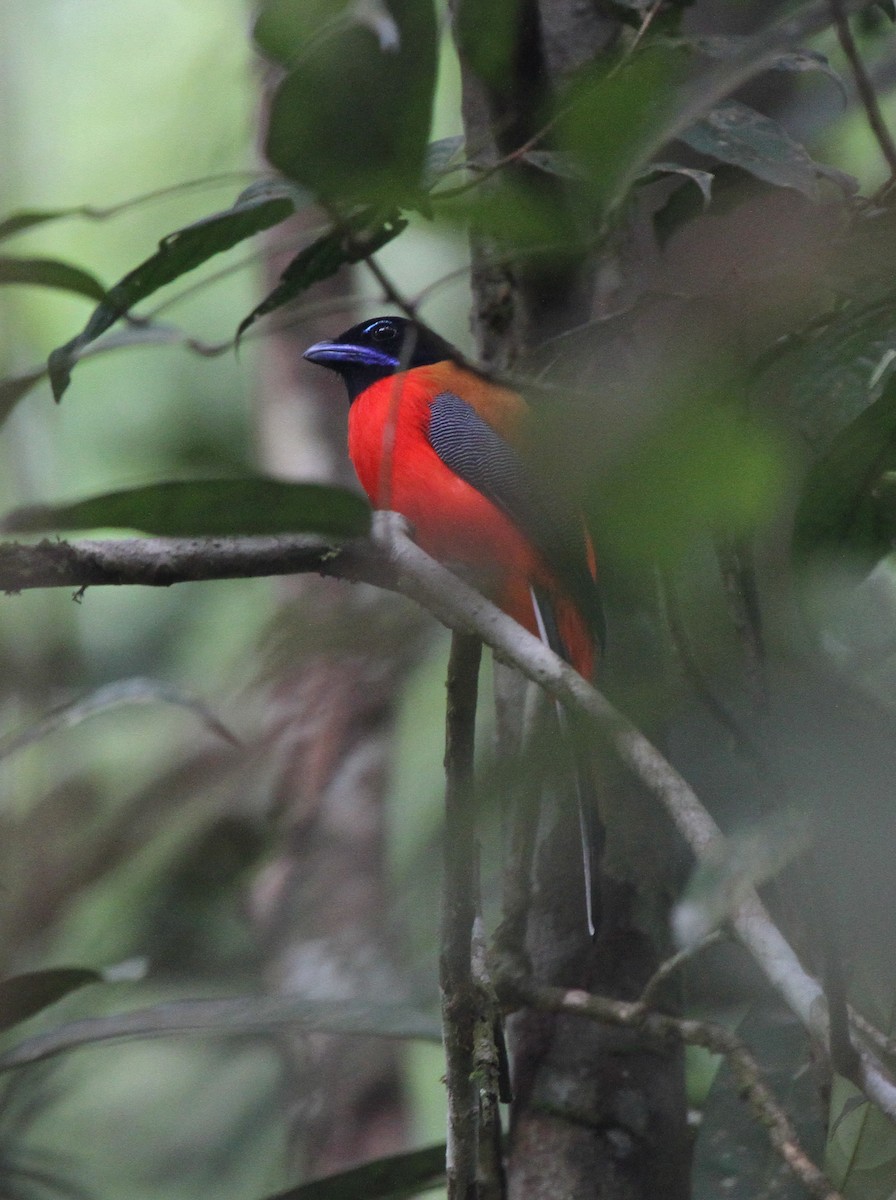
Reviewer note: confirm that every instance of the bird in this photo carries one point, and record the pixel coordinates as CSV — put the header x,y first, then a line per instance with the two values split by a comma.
x,y
439,442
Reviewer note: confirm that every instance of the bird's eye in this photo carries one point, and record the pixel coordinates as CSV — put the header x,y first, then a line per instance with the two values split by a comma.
x,y
382,331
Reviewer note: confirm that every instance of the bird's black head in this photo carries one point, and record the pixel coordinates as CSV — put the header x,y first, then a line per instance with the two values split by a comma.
x,y
377,348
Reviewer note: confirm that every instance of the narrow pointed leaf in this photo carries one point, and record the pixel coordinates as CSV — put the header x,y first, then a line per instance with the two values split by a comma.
x,y
207,508
395,1178
178,253
21,996
736,134
349,243
50,273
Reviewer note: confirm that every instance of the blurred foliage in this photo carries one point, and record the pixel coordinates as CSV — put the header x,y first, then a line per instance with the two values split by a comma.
x,y
738,386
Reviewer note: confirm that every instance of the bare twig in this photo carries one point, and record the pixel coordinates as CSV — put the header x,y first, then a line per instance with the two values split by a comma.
x,y
864,86
669,966
715,1038
459,898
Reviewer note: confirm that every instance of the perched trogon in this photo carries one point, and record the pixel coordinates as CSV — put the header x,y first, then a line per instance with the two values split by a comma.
x,y
434,440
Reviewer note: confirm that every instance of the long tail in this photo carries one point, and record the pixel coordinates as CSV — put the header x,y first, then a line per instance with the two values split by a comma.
x,y
590,825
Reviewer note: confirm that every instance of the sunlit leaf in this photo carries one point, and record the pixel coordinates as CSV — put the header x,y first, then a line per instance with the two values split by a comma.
x,y
731,46
50,273
350,243
736,134
259,208
395,1178
113,695
21,996
351,118
251,1015
207,508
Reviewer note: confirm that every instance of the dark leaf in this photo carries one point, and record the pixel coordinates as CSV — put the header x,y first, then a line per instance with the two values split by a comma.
x,y
394,1178
350,120
350,243
835,389
16,387
21,221
736,134
21,996
733,1157
50,273
262,206
659,170
845,506
207,508
247,1015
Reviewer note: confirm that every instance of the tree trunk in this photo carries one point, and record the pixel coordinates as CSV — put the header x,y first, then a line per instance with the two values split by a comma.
x,y
596,1112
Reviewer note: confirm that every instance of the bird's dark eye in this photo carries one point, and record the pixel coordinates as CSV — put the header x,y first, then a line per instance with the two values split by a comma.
x,y
382,331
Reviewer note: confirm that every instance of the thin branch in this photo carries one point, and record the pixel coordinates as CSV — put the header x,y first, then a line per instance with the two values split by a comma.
x,y
390,559
864,86
715,1038
671,965
460,890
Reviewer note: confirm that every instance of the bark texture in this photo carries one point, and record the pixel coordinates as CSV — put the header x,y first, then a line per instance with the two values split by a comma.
x,y
597,1112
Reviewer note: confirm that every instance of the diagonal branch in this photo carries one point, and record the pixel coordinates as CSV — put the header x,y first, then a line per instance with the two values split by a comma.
x,y
390,559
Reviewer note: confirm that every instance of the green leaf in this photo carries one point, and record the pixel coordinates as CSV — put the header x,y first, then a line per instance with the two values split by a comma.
x,y
260,207
50,273
21,996
350,120
736,134
207,508
861,1151
395,1178
835,389
351,242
